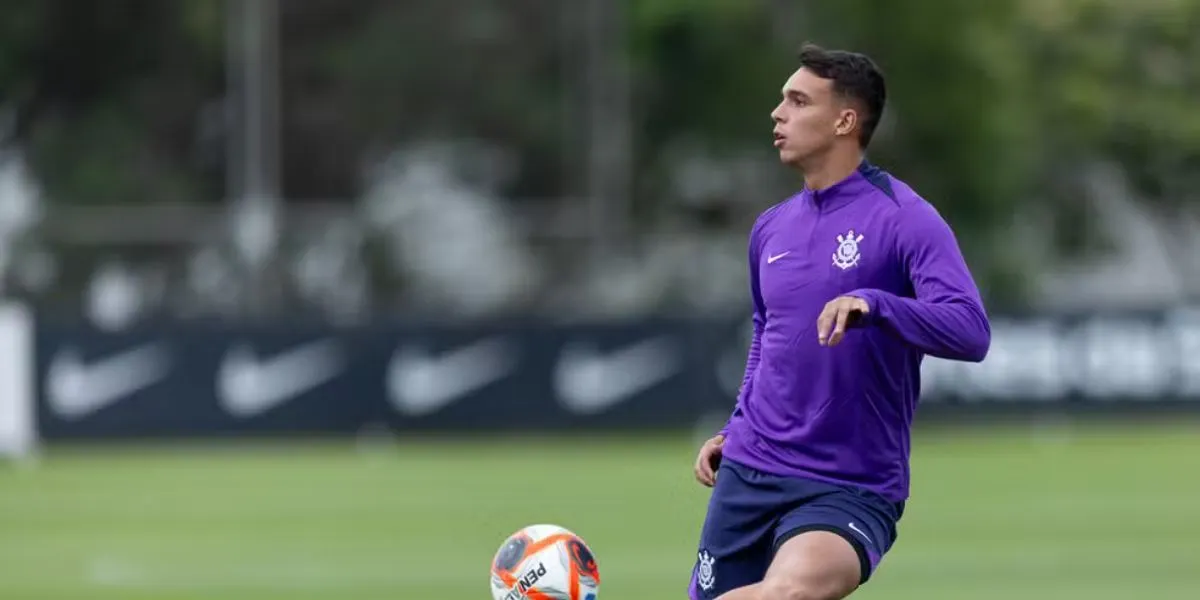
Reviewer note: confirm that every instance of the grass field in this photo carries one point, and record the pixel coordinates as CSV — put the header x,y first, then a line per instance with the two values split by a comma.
x,y
1089,514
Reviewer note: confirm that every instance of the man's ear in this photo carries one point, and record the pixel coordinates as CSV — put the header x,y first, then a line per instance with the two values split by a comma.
x,y
847,122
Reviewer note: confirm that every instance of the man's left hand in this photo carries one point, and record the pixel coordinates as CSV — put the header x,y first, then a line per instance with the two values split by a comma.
x,y
839,313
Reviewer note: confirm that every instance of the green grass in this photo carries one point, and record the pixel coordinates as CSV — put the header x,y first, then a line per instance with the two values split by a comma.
x,y
1093,514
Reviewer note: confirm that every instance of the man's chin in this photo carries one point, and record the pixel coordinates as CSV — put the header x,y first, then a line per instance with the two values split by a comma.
x,y
789,158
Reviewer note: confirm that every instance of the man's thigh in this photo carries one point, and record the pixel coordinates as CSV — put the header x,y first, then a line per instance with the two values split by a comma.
x,y
813,564
865,522
735,540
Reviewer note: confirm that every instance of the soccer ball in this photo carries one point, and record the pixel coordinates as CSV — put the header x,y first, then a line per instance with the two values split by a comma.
x,y
544,562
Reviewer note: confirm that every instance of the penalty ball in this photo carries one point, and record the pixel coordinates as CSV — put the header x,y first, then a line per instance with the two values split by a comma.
x,y
544,562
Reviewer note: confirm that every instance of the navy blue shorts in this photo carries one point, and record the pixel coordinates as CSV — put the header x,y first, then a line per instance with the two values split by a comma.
x,y
751,513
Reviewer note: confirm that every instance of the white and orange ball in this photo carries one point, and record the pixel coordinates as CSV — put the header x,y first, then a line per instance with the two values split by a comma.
x,y
545,562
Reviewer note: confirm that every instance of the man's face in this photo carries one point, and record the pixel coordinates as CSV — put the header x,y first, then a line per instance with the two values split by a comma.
x,y
809,118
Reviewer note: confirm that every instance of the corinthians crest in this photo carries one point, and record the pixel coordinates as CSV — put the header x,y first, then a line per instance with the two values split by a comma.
x,y
704,574
847,251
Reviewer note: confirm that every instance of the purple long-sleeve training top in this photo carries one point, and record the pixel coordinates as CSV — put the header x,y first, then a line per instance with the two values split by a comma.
x,y
844,413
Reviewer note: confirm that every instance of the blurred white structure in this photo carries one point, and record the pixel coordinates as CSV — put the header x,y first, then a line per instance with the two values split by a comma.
x,y
456,243
1156,259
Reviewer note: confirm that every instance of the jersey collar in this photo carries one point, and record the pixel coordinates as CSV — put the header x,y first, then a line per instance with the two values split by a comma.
x,y
849,189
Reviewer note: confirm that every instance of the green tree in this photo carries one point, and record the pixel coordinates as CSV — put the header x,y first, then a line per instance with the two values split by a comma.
x,y
104,96
1118,83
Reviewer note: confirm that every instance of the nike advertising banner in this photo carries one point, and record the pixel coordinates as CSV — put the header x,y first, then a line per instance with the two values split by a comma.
x,y
183,380
201,379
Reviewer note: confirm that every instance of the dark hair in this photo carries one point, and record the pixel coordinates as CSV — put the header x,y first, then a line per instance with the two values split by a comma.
x,y
854,76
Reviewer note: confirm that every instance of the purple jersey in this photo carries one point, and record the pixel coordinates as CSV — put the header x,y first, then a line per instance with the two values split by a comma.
x,y
843,414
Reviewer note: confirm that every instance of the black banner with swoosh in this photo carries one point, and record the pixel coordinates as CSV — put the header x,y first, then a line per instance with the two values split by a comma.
x,y
198,379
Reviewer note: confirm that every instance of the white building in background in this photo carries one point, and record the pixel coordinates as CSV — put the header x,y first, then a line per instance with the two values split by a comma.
x,y
1155,260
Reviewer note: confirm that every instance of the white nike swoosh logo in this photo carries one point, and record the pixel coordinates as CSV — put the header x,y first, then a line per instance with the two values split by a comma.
x,y
248,385
772,259
589,382
422,383
859,531
75,389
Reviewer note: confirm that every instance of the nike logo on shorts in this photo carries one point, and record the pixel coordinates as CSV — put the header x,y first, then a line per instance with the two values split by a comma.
x,y
860,532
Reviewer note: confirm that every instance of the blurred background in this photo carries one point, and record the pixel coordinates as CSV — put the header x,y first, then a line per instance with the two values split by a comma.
x,y
321,299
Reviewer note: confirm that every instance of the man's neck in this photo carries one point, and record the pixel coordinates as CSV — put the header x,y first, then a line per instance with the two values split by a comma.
x,y
828,169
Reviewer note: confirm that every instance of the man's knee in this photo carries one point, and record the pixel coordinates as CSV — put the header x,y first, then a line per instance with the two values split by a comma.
x,y
810,589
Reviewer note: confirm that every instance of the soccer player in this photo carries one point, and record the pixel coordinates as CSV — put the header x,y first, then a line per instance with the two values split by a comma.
x,y
852,280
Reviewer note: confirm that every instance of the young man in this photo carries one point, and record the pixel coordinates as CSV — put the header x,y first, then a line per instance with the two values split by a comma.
x,y
853,281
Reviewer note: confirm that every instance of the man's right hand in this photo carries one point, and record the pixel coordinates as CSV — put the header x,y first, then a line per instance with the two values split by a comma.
x,y
708,460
